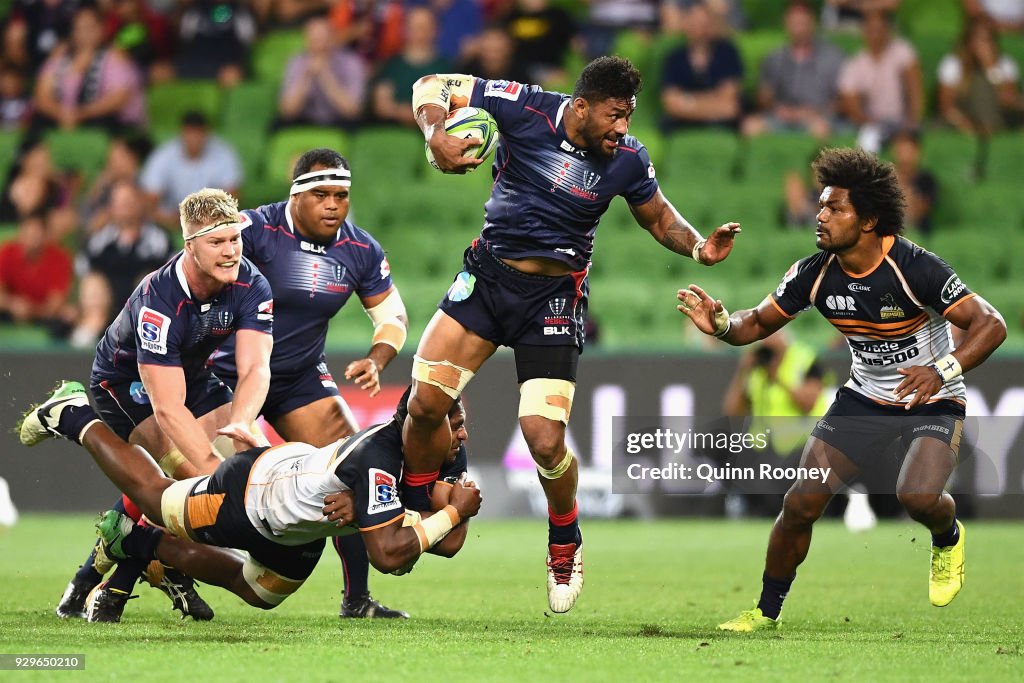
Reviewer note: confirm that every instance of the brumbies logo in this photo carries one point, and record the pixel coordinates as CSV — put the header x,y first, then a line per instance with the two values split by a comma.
x,y
383,492
557,305
890,309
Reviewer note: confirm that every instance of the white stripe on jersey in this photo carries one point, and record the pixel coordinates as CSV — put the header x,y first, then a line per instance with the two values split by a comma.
x,y
286,490
873,371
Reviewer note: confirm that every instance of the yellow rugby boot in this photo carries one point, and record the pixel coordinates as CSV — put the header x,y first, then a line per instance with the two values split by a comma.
x,y
749,621
946,577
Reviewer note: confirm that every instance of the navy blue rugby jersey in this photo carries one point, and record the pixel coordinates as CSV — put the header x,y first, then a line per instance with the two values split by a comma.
x,y
164,324
891,315
548,196
311,281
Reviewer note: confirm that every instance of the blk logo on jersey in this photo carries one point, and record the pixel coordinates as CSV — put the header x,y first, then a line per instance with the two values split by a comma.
x,y
383,492
152,330
312,248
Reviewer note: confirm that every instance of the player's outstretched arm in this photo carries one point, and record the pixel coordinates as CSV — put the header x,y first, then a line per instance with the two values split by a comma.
x,y
738,329
165,386
390,329
433,96
658,217
986,330
393,547
252,357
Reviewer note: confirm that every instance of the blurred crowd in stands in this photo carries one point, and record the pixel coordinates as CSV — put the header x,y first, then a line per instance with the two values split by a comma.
x,y
67,65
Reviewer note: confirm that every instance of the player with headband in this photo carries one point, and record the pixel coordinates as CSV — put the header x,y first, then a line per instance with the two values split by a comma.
x,y
316,259
153,387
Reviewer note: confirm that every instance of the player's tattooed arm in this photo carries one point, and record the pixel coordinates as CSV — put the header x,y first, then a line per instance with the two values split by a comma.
x,y
658,217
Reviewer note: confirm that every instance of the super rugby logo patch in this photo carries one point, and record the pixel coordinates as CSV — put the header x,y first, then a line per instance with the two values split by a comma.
x,y
383,492
506,90
152,330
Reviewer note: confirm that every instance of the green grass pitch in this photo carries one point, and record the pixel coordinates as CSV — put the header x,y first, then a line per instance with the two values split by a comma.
x,y
654,592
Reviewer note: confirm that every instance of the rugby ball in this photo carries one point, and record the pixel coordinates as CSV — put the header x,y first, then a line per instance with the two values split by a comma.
x,y
470,122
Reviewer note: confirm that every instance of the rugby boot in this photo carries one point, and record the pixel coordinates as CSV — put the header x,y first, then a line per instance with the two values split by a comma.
x,y
106,604
749,621
41,421
180,588
72,603
946,577
365,607
565,575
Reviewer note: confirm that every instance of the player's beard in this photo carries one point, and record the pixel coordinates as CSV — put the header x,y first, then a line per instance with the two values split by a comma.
x,y
595,144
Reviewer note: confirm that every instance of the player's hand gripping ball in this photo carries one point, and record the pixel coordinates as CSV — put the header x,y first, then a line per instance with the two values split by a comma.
x,y
470,122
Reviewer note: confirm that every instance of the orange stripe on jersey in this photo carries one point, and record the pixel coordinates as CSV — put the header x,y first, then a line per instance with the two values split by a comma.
x,y
383,524
248,481
202,509
957,303
914,322
771,298
887,243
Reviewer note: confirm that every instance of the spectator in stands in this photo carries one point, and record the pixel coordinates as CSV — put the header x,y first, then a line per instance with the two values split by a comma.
x,y
373,29
797,88
114,260
542,36
143,34
326,84
41,26
35,184
920,189
880,87
214,39
15,105
848,15
979,89
701,80
125,157
392,93
777,378
13,50
727,16
185,164
460,22
1008,15
489,56
606,19
35,278
800,192
89,83
291,13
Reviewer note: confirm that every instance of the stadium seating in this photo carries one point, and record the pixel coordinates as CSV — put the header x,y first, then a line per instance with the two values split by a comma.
x,y
249,109
81,149
285,146
168,102
271,54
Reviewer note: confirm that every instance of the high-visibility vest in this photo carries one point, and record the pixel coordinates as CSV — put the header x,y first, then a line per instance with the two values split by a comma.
x,y
770,399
